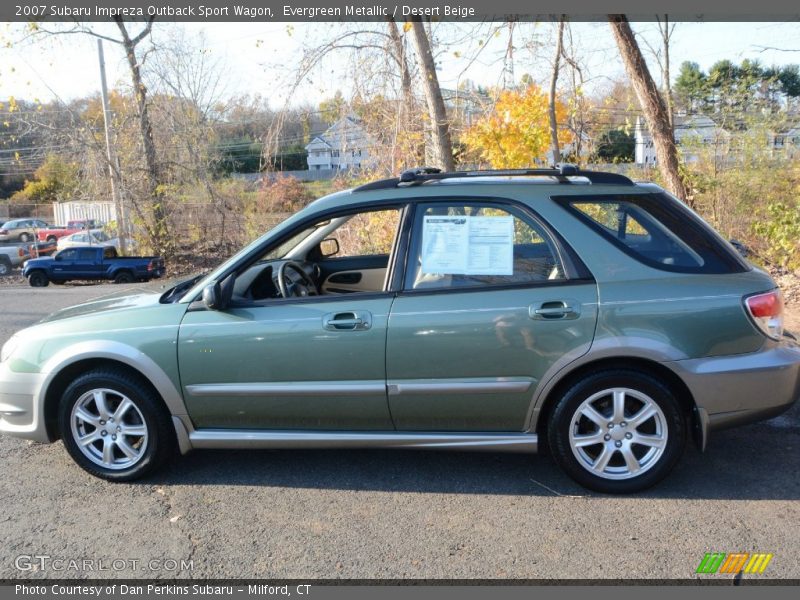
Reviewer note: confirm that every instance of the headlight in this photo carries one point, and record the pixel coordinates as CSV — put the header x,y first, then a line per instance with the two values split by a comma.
x,y
8,348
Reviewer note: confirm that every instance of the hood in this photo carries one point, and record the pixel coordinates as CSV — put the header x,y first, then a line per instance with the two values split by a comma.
x,y
38,262
117,302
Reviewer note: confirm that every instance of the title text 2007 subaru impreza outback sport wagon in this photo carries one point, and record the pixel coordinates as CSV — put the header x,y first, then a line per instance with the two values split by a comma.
x,y
479,311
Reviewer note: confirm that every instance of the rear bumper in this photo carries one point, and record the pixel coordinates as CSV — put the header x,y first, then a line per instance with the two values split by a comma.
x,y
740,389
20,409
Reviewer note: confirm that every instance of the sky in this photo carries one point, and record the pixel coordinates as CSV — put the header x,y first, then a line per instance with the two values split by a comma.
x,y
259,57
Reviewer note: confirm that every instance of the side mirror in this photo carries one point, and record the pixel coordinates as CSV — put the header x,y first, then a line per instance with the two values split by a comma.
x,y
329,247
211,296
217,295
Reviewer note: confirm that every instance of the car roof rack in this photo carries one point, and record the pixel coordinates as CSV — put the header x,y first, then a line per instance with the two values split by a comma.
x,y
420,175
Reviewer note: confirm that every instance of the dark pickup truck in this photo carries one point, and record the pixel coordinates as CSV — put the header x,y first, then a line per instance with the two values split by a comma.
x,y
92,262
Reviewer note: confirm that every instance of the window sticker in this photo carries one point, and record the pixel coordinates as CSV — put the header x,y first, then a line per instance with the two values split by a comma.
x,y
467,245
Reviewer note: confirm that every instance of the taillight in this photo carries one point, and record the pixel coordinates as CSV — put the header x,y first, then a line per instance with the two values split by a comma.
x,y
767,312
150,266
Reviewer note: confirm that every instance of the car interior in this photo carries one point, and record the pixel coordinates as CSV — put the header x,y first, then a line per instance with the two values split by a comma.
x,y
343,255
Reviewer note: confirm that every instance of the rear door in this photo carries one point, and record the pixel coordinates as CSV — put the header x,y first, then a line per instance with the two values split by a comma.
x,y
490,303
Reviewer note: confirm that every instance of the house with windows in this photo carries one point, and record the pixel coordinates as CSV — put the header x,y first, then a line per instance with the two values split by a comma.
x,y
343,146
693,133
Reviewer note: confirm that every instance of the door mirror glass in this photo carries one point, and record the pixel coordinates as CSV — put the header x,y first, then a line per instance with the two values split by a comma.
x,y
329,247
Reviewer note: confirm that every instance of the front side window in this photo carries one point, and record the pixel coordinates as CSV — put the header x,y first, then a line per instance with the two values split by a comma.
x,y
477,244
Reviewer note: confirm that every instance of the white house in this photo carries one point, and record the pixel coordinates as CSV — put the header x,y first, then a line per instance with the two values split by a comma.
x,y
691,133
344,145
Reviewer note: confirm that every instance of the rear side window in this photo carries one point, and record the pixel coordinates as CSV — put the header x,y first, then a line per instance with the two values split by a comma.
x,y
657,231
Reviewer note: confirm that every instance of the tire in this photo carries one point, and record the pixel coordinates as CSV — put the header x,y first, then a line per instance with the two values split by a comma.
x,y
5,266
38,279
596,447
52,238
24,237
115,455
124,277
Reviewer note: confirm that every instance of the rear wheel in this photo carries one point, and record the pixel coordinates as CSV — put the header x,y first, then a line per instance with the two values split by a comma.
x,y
114,426
617,431
124,277
38,279
5,266
24,237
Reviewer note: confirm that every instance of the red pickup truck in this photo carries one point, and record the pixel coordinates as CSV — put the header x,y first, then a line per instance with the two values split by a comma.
x,y
51,234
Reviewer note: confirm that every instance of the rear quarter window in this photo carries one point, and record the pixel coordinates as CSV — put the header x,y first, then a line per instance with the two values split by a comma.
x,y
656,230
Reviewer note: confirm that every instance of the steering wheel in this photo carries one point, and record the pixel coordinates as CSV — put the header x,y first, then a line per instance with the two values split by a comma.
x,y
295,289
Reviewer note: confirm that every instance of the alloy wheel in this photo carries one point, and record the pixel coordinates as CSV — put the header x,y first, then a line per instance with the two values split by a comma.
x,y
618,433
109,429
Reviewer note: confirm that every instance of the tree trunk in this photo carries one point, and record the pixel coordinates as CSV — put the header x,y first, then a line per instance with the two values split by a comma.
x,y
655,112
555,152
402,62
159,232
666,34
442,145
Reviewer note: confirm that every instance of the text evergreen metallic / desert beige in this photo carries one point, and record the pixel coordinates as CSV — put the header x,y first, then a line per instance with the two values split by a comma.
x,y
474,311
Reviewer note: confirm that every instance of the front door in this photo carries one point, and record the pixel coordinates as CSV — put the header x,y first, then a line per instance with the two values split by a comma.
x,y
488,307
308,363
287,365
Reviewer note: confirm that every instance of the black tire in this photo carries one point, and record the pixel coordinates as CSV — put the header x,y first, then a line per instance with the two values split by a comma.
x,y
617,476
124,277
38,279
5,266
24,237
160,441
52,238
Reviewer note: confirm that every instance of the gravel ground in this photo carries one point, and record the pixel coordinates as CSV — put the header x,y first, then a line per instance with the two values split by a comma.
x,y
376,514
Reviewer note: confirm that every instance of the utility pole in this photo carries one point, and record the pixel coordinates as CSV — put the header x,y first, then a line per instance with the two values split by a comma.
x,y
120,209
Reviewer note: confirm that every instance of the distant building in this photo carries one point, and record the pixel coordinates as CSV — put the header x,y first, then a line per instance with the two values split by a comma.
x,y
343,146
692,132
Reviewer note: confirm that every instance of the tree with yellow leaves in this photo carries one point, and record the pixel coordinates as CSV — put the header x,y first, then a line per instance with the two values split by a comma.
x,y
516,133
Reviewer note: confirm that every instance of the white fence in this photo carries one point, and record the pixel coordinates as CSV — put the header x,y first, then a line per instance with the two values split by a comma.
x,y
63,212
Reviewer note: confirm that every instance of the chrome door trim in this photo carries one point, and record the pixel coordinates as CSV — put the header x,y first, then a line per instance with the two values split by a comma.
x,y
280,388
232,439
477,385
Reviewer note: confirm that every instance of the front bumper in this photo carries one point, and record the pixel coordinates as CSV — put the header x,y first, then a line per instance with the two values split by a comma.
x,y
740,389
20,408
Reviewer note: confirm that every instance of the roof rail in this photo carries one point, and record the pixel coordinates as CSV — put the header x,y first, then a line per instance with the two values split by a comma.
x,y
421,175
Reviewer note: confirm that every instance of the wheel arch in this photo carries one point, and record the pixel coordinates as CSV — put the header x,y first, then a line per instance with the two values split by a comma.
x,y
86,356
567,377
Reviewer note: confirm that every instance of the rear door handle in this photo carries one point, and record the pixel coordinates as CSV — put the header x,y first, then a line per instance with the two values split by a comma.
x,y
554,310
353,320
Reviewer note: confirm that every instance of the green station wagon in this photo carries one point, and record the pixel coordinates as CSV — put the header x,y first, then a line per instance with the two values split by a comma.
x,y
490,310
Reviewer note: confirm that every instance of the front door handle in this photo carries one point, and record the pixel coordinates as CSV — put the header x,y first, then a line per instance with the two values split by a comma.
x,y
554,310
352,320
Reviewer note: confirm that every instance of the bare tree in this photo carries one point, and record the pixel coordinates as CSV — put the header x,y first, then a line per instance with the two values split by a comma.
x,y
440,127
655,112
554,149
157,229
665,31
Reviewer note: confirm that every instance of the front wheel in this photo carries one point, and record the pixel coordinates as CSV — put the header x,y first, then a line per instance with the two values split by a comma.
x,y
113,426
617,431
38,279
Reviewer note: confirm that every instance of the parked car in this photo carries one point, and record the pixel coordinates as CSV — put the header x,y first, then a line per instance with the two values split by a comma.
x,y
20,230
89,263
58,231
10,257
495,311
92,237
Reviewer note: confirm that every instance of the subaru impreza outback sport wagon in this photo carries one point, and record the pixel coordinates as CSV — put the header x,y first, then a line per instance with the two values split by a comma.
x,y
496,311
